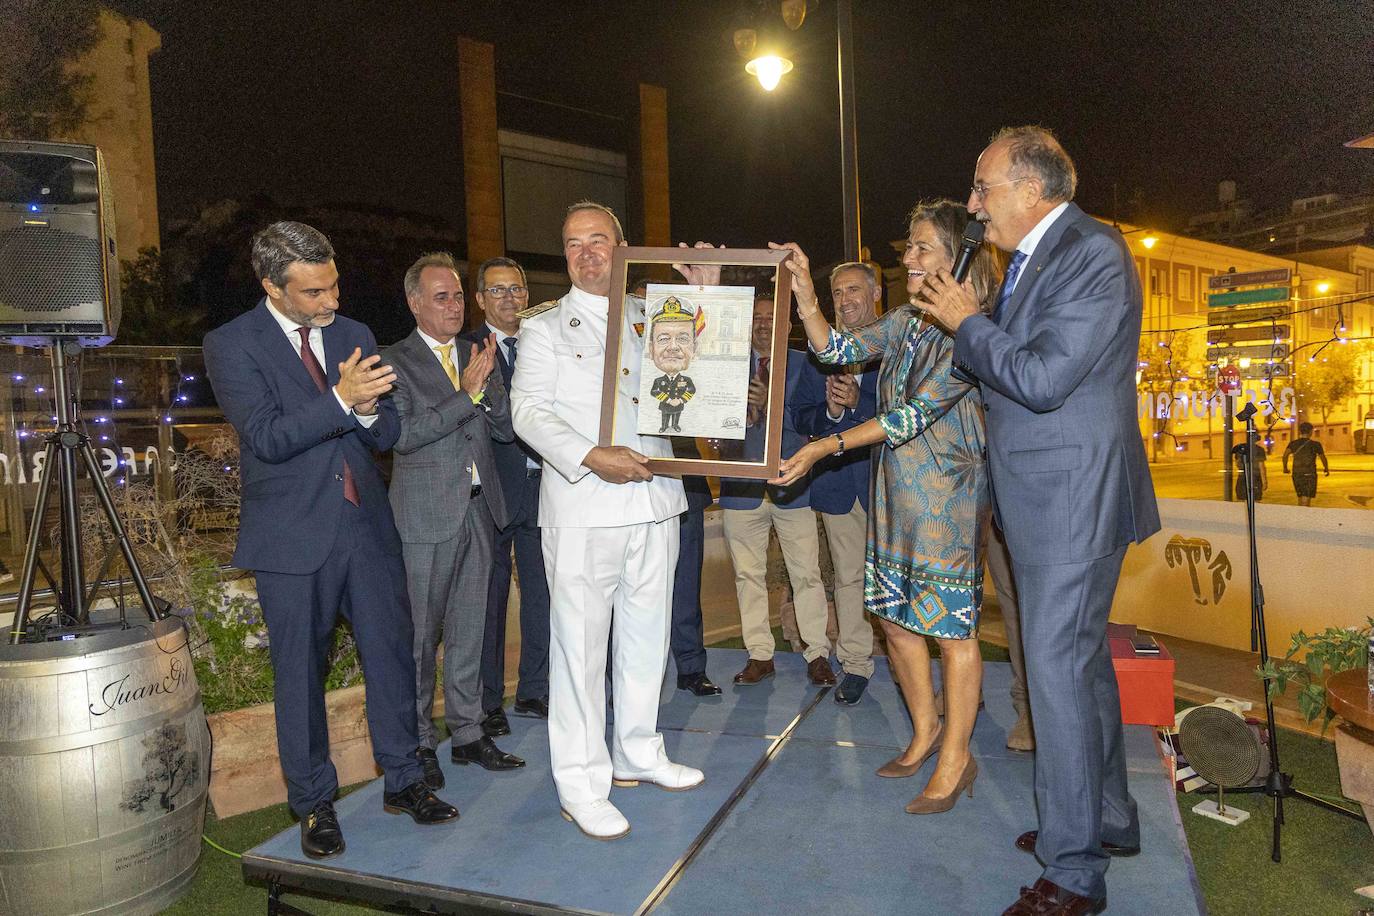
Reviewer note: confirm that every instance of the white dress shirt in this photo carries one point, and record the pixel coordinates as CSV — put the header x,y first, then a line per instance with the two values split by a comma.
x,y
1032,238
316,338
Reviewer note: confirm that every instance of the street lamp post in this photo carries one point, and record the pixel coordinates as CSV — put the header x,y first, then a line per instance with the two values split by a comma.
x,y
769,67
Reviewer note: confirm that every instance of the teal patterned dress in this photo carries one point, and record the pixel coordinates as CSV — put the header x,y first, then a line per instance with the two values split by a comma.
x,y
924,567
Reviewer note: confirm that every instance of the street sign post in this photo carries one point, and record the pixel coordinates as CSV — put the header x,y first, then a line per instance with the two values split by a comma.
x,y
1250,278
1260,332
1248,297
1274,351
1243,316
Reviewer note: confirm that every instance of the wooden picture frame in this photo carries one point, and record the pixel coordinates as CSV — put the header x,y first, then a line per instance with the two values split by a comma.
x,y
767,466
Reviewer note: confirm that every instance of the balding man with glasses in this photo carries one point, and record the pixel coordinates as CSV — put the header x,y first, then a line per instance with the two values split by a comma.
x,y
502,291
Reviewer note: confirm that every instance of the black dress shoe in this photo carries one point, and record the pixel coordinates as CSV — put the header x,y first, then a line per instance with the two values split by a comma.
x,y
1026,843
495,724
537,708
429,761
486,755
699,684
420,802
321,837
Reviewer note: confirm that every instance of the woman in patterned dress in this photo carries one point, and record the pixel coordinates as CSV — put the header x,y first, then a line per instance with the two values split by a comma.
x,y
924,569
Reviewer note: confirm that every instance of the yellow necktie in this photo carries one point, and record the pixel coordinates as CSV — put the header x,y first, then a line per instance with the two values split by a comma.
x,y
446,358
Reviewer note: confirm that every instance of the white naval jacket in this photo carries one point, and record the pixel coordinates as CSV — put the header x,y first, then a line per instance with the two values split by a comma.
x,y
556,408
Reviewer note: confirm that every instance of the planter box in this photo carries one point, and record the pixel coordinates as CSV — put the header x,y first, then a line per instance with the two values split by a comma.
x,y
246,772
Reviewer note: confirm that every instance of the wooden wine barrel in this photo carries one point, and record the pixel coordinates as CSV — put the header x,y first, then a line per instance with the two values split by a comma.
x,y
104,768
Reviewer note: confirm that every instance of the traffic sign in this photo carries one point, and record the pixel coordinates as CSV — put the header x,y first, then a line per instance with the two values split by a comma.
x,y
1242,316
1258,332
1250,278
1264,370
1267,351
1248,297
1228,379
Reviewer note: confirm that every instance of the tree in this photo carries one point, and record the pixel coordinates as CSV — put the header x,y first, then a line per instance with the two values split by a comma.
x,y
1167,365
1328,381
41,96
150,314
168,769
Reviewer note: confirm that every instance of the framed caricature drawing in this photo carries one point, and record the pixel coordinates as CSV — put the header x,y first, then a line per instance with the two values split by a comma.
x,y
711,355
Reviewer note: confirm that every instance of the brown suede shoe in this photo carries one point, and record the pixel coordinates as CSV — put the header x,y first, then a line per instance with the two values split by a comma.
x,y
1049,899
820,672
755,671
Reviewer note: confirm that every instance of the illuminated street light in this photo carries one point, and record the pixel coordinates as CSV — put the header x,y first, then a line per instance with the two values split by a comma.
x,y
769,70
1323,288
1150,241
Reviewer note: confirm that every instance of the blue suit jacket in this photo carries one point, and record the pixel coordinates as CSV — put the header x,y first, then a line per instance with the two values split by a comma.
x,y
511,463
293,439
838,480
741,493
1057,370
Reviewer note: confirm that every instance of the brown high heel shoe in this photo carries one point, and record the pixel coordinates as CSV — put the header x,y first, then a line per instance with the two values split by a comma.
x,y
924,804
895,769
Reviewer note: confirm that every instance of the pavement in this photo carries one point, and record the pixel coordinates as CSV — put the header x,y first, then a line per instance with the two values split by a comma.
x,y
1350,485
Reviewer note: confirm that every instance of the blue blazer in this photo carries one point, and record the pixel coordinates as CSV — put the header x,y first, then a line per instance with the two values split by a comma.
x,y
293,439
741,493
838,480
1057,371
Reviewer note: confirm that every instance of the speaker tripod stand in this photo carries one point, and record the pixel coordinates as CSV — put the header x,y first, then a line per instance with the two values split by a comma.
x,y
67,444
1278,785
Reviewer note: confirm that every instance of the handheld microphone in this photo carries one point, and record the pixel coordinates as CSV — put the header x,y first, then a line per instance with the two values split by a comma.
x,y
968,247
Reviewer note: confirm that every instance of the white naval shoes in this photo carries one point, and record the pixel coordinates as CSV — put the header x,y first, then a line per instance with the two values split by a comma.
x,y
599,819
674,777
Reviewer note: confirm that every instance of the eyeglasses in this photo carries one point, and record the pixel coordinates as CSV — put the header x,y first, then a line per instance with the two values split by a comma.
x,y
980,191
501,292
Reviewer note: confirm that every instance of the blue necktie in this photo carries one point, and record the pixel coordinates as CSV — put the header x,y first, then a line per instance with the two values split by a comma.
x,y
1008,283
510,345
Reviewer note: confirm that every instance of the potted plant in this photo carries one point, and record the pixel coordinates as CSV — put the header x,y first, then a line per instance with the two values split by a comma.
x,y
1310,663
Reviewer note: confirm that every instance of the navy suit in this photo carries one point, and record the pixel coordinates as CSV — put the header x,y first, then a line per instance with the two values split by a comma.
x,y
744,493
315,554
836,480
520,485
1072,490
685,640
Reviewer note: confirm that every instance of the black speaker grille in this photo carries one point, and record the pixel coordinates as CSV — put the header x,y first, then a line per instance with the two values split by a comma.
x,y
43,269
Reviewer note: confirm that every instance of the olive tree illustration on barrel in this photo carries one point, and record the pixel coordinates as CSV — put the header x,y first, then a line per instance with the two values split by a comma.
x,y
168,769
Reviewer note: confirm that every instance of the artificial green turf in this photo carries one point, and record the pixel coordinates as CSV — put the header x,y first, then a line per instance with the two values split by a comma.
x,y
1325,856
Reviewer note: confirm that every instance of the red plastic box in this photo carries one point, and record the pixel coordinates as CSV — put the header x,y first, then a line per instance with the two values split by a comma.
x,y
1146,683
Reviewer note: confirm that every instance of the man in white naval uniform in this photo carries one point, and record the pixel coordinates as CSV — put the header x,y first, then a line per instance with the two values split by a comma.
x,y
610,538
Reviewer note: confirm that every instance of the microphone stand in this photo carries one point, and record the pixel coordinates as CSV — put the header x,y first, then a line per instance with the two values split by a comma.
x,y
1279,785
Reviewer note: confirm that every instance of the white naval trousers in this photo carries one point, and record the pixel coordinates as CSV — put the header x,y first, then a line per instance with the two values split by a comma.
x,y
590,571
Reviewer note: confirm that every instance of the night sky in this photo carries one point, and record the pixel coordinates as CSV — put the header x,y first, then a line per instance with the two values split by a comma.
x,y
356,102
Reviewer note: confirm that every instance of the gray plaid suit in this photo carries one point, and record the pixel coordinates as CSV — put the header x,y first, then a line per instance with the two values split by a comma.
x,y
446,531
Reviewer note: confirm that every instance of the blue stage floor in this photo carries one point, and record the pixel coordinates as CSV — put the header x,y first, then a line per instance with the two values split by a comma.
x,y
791,820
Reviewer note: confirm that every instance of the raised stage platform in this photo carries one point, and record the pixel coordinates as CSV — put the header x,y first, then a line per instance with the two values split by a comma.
x,y
791,820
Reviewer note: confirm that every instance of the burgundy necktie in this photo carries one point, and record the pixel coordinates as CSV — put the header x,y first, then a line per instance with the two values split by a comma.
x,y
312,365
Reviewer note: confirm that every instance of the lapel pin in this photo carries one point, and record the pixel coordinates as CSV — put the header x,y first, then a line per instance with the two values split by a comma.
x,y
574,322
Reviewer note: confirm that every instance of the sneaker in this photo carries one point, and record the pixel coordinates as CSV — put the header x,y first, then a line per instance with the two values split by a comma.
x,y
851,689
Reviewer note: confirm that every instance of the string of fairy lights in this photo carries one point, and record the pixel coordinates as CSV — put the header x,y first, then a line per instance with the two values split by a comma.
x,y
32,401
1278,353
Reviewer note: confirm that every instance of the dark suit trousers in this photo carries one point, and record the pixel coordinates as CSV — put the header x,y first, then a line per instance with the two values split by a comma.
x,y
448,597
301,611
523,535
1080,761
685,640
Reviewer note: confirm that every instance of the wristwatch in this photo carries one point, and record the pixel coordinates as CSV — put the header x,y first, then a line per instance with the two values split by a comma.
x,y
839,437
